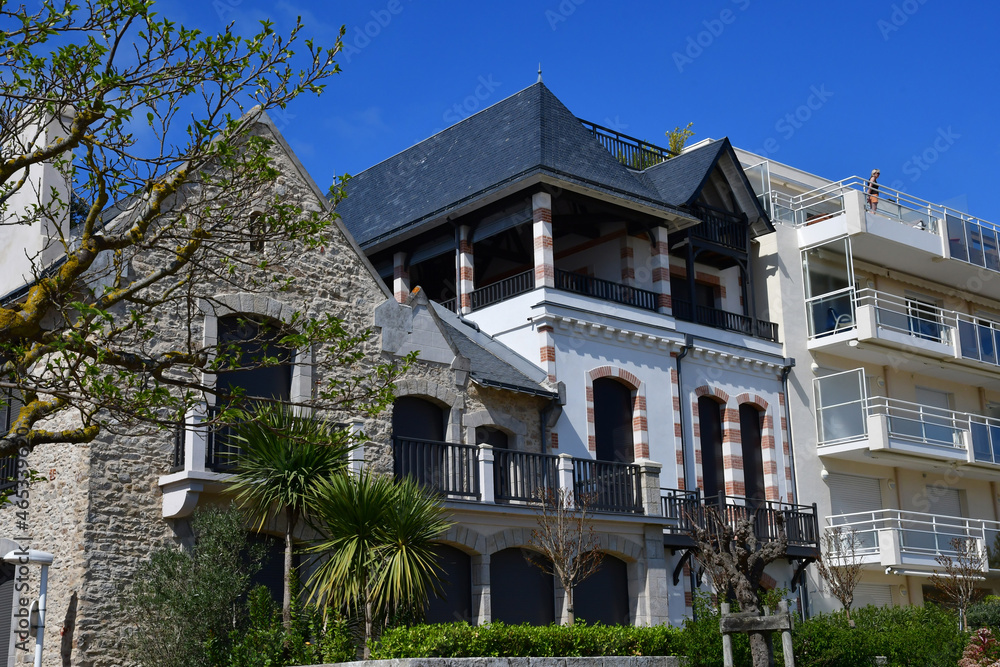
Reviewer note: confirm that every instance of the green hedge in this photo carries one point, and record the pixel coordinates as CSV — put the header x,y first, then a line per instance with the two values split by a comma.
x,y
461,640
908,636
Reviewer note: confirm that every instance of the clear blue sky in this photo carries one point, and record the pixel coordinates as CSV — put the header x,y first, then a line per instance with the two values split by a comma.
x,y
835,88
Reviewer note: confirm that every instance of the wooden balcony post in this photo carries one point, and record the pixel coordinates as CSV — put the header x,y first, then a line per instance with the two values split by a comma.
x,y
541,214
486,486
650,478
466,267
566,477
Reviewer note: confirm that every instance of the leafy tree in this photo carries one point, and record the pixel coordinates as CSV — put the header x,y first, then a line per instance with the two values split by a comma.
x,y
282,460
565,536
678,136
181,598
160,178
379,536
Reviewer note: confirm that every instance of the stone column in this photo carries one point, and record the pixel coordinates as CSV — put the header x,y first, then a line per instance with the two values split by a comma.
x,y
541,214
649,472
466,265
565,466
482,607
400,277
487,492
661,269
657,574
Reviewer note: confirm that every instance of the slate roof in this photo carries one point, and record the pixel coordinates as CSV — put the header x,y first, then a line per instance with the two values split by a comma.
x,y
679,179
491,362
527,134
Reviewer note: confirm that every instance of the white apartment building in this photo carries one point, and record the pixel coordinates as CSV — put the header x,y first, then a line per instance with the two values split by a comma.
x,y
892,318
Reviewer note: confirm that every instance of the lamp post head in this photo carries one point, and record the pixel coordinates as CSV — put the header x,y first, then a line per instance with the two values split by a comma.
x,y
29,557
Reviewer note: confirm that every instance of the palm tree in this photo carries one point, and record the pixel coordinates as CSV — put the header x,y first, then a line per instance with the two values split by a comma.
x,y
282,458
379,537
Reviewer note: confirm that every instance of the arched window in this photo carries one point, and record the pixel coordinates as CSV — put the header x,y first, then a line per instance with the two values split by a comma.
x,y
417,419
751,427
613,407
417,427
492,436
519,591
712,462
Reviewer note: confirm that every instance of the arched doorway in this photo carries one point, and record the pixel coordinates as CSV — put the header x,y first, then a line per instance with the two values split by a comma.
x,y
751,428
455,600
417,426
519,591
712,462
603,596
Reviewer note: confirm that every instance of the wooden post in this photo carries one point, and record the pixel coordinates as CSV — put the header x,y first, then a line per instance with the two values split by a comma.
x,y
786,637
727,641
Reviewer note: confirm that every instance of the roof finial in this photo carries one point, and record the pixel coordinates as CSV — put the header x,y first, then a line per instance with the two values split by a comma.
x,y
539,72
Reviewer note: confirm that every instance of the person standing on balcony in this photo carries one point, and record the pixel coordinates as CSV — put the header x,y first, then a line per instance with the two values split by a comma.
x,y
871,189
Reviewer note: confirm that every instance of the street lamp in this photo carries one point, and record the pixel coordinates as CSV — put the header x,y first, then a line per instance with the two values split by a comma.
x,y
43,558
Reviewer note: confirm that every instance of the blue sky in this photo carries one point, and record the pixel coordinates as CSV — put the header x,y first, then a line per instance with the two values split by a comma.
x,y
908,86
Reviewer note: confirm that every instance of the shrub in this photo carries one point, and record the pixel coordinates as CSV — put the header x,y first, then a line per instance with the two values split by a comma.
x,y
461,640
984,614
982,651
265,642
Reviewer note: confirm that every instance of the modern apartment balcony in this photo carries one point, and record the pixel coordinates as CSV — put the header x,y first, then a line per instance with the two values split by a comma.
x,y
912,541
489,476
855,428
866,325
904,232
685,509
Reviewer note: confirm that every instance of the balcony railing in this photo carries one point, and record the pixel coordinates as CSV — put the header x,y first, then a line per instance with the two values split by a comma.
x,y
606,290
450,304
524,477
608,486
690,508
912,533
725,320
721,228
631,152
503,289
222,447
829,201
447,468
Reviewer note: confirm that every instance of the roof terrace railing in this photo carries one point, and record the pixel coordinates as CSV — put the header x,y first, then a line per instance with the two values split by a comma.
x,y
828,201
631,152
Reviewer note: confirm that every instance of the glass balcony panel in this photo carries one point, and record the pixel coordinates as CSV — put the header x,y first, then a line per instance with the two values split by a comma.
x,y
995,442
829,314
842,422
957,244
990,248
968,340
973,233
987,346
982,448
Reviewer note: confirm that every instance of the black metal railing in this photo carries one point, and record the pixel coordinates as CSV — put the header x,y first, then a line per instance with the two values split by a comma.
x,y
8,473
690,508
631,152
447,468
503,289
450,304
222,447
180,436
721,228
608,486
524,476
606,290
725,320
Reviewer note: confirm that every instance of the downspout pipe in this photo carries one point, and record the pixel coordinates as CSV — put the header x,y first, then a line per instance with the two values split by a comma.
x,y
688,345
789,363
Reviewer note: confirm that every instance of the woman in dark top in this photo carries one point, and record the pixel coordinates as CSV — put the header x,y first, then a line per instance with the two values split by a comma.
x,y
871,190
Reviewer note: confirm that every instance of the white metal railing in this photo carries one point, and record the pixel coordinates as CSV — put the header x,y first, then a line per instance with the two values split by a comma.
x,y
828,201
831,312
909,316
918,533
